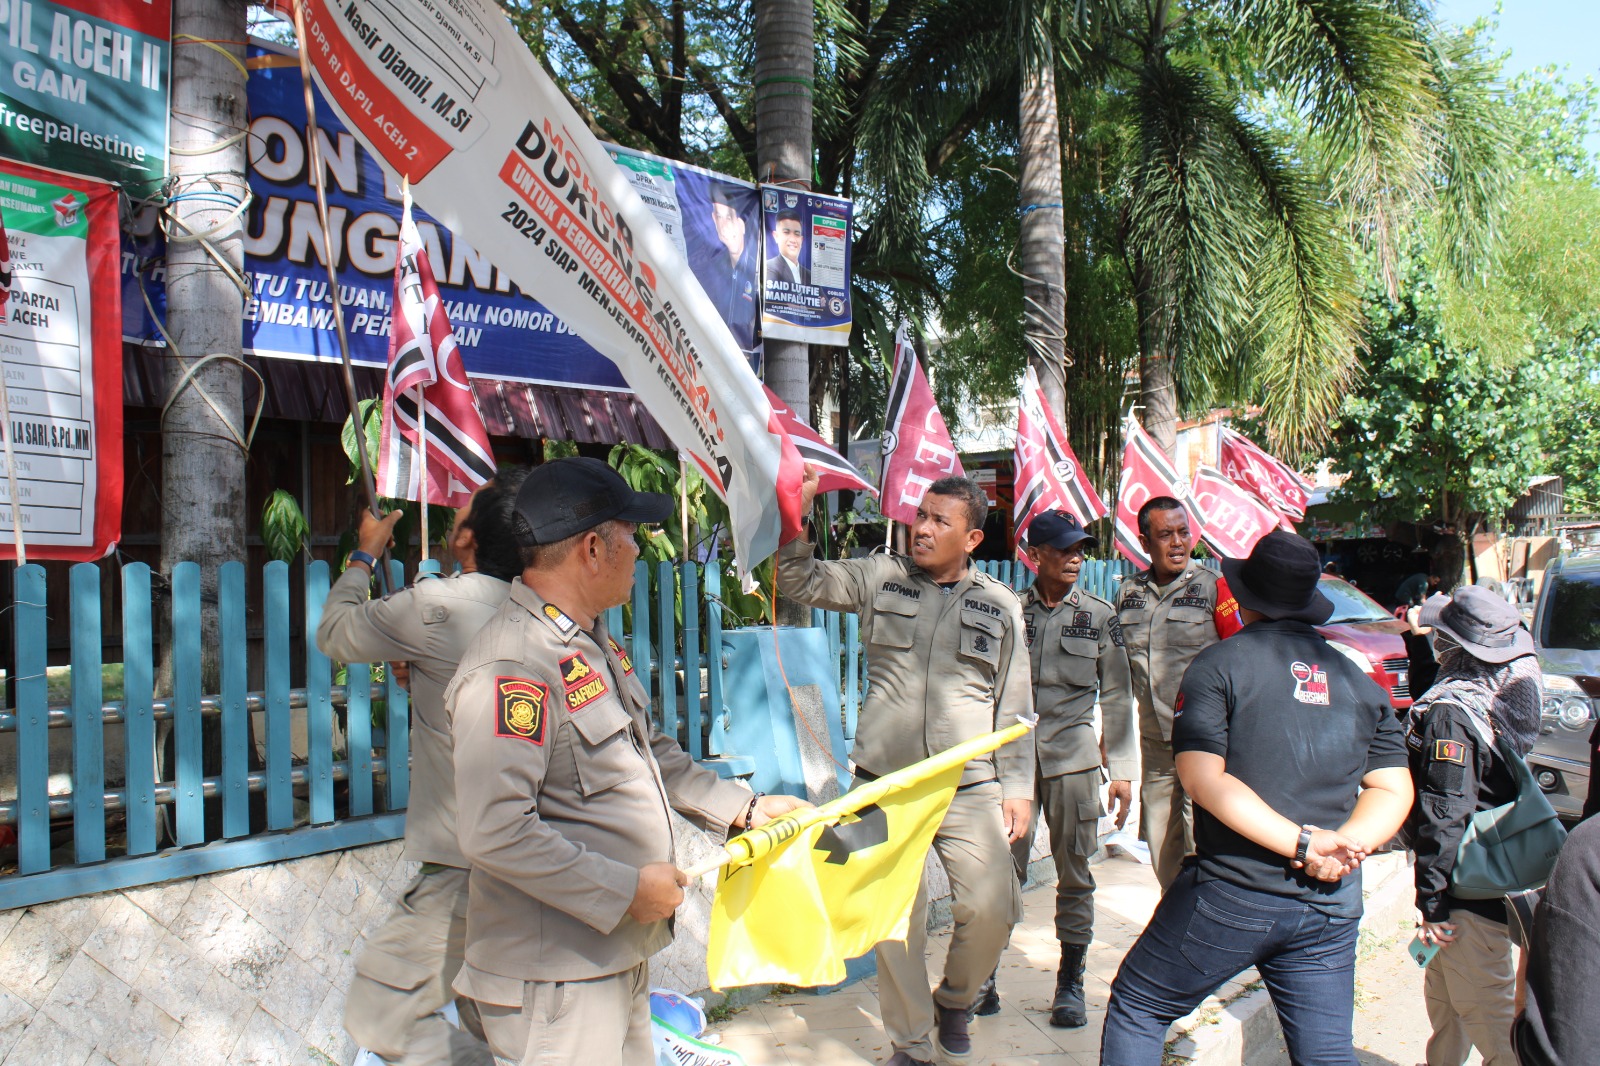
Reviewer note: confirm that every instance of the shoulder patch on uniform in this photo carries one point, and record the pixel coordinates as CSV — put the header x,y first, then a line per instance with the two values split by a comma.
x,y
584,686
522,704
1116,632
566,625
1450,751
622,656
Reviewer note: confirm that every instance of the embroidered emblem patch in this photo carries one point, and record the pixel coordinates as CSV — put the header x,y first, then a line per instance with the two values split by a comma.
x,y
522,707
1193,589
584,686
574,668
980,643
1450,751
622,656
1116,633
563,623
1310,683
1028,619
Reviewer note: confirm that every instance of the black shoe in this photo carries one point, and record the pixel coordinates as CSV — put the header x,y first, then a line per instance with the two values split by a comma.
x,y
951,1038
1067,1009
988,997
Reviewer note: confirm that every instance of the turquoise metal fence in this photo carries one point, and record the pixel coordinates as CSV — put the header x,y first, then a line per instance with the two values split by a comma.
x,y
349,783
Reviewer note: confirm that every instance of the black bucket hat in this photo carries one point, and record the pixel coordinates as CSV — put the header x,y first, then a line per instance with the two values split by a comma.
x,y
1059,530
564,498
1484,624
1280,579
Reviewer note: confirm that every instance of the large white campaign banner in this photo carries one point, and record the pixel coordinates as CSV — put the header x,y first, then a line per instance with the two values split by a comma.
x,y
447,95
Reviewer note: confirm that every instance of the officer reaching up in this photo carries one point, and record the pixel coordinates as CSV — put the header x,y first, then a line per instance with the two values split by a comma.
x,y
946,662
563,787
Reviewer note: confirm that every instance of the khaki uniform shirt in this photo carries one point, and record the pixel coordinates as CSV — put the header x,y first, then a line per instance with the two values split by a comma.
x,y
564,789
942,667
1164,629
428,626
1076,650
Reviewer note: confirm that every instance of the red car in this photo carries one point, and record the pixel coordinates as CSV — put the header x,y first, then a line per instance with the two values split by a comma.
x,y
1370,636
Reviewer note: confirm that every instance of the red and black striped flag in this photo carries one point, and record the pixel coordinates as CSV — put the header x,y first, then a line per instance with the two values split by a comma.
x,y
1146,474
802,445
425,364
916,445
1047,475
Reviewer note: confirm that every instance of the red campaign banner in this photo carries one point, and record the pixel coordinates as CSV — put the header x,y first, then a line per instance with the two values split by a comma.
x,y
424,360
917,450
61,338
1234,519
1046,474
1277,484
1146,474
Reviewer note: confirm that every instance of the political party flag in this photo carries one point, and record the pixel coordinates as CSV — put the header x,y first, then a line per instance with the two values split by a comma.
x,y
1046,473
1275,482
428,408
453,100
1146,473
802,445
803,893
916,446
1232,519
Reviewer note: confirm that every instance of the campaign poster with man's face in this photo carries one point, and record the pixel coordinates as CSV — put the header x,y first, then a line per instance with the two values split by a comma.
x,y
806,266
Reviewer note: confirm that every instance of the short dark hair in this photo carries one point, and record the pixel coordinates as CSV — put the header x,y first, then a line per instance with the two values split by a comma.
x,y
1155,503
724,195
493,521
968,492
550,556
787,215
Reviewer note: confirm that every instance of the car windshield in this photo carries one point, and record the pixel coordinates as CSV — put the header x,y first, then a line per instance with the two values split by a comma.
x,y
1572,613
1350,604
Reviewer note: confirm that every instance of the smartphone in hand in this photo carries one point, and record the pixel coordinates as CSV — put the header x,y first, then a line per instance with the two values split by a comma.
x,y
1422,953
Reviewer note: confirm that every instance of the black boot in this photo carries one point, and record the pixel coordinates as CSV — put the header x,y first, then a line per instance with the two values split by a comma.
x,y
1067,1009
988,997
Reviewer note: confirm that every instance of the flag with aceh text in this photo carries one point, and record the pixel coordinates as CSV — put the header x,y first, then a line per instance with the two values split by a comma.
x,y
1147,473
425,364
916,445
1047,475
804,892
1234,519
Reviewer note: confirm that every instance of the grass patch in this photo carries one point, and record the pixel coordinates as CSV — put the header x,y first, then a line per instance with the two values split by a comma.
x,y
58,683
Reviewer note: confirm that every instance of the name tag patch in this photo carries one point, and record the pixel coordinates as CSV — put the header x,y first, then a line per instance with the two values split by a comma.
x,y
898,589
1082,626
583,685
1190,601
1310,683
969,604
521,711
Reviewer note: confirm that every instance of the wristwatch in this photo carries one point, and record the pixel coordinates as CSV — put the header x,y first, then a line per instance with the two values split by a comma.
x,y
1303,845
366,559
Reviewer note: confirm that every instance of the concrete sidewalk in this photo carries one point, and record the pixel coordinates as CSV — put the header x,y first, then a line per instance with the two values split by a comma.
x,y
1235,1026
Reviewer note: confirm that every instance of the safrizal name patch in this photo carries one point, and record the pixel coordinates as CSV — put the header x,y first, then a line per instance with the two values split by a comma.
x,y
521,709
583,685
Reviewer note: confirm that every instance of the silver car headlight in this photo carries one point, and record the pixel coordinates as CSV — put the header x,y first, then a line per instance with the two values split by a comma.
x,y
1565,703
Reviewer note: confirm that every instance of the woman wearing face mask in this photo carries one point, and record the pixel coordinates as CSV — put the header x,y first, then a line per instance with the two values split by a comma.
x,y
1488,682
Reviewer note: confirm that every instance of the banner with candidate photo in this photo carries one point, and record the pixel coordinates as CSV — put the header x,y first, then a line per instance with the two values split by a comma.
x,y
806,266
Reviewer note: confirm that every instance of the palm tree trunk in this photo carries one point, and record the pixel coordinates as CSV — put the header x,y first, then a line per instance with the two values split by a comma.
x,y
1042,242
785,67
1158,386
203,462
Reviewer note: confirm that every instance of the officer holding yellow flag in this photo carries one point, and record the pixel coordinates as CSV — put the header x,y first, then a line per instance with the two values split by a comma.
x,y
563,788
946,662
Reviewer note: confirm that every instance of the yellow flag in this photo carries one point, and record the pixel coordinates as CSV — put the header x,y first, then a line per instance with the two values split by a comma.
x,y
807,891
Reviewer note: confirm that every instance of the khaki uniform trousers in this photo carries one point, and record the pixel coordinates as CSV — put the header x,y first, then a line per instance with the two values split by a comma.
x,y
1166,819
1069,804
404,975
1468,988
558,1023
985,902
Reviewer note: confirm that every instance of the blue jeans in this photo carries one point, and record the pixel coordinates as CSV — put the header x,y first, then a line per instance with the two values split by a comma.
x,y
1200,936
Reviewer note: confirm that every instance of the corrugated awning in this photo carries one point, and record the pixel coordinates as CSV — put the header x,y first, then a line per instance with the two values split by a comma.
x,y
314,392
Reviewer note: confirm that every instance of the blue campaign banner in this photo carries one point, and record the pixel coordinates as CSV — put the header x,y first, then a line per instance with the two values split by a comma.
x,y
806,275
502,332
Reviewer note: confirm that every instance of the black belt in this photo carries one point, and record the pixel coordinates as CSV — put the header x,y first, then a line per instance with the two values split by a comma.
x,y
868,775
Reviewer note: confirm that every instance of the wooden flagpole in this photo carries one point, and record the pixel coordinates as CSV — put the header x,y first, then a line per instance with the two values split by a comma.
x,y
318,177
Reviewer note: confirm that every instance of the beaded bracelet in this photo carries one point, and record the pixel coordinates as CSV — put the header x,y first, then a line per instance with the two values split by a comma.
x,y
750,811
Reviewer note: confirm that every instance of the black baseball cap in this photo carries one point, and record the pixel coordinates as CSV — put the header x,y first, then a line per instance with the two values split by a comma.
x,y
1057,529
564,498
1280,579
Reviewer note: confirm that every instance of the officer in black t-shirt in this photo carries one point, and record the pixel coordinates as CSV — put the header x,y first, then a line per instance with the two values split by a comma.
x,y
1274,731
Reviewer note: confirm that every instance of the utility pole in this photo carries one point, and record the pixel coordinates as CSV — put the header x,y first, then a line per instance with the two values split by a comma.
x,y
203,446
785,76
